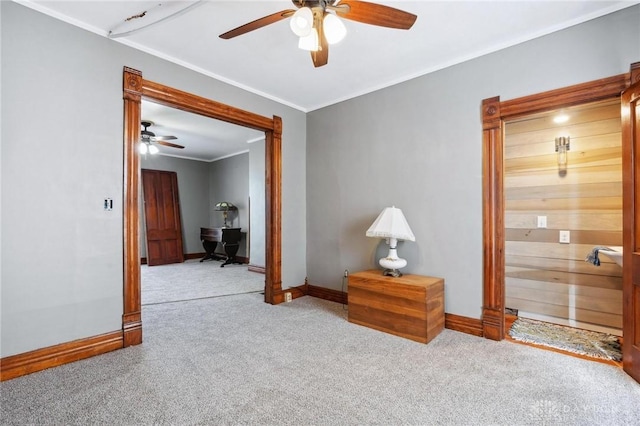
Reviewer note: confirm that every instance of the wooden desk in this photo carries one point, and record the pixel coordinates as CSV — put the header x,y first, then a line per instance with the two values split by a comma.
x,y
228,237
410,306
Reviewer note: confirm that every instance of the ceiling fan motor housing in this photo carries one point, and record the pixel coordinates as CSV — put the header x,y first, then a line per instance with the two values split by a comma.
x,y
311,3
146,133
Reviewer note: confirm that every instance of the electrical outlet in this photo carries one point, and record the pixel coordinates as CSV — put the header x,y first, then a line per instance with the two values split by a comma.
x,y
542,221
565,237
287,296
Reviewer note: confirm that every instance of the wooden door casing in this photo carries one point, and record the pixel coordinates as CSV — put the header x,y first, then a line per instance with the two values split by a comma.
x,y
162,217
135,87
630,109
494,115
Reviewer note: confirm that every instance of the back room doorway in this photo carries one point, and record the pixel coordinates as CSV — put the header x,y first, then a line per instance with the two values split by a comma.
x,y
211,161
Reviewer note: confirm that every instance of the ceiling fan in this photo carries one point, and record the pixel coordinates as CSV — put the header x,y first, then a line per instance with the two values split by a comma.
x,y
317,24
148,138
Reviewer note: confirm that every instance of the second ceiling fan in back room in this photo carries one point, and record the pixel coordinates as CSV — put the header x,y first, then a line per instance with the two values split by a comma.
x,y
148,139
317,22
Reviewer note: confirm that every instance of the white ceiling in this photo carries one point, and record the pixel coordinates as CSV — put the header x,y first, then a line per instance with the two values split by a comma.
x,y
203,138
268,62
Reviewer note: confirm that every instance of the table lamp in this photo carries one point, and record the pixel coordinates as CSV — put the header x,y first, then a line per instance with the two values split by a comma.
x,y
391,225
225,207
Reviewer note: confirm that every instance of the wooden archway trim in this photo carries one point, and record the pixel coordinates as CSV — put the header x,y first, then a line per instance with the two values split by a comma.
x,y
135,87
492,219
132,315
494,115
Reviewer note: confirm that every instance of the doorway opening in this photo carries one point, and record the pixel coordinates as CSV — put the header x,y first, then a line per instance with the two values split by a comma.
x,y
495,115
625,88
217,162
559,207
135,88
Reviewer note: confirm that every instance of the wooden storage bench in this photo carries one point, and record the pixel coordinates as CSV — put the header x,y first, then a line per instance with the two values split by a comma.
x,y
410,306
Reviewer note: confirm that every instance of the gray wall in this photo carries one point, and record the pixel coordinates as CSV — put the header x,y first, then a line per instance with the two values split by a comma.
x,y
193,190
229,181
258,224
62,132
418,146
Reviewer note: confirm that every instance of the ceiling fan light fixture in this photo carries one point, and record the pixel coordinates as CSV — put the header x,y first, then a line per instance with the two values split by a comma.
x,y
301,22
142,148
334,29
309,42
147,148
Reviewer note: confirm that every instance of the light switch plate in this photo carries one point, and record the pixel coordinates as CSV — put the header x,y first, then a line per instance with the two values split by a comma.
x,y
542,221
565,237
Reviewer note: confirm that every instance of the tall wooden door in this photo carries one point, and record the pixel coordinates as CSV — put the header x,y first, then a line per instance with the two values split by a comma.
x,y
162,217
631,223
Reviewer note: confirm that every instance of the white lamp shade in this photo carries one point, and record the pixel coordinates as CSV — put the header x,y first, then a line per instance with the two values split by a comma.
x,y
153,149
309,42
391,224
142,148
301,22
334,29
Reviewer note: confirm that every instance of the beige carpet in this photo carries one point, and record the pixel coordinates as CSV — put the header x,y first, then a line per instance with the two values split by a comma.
x,y
236,360
194,280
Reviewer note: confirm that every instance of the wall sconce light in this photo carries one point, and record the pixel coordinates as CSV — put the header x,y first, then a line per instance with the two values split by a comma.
x,y
225,207
563,144
392,225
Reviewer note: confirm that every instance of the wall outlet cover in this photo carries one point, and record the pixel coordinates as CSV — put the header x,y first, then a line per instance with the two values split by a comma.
x,y
565,237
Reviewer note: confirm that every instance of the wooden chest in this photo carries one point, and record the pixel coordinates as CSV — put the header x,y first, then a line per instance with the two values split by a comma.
x,y
410,306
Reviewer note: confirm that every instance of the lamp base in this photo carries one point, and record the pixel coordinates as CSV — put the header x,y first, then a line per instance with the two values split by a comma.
x,y
392,262
392,273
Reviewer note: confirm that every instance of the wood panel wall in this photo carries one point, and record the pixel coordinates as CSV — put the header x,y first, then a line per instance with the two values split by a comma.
x,y
542,276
